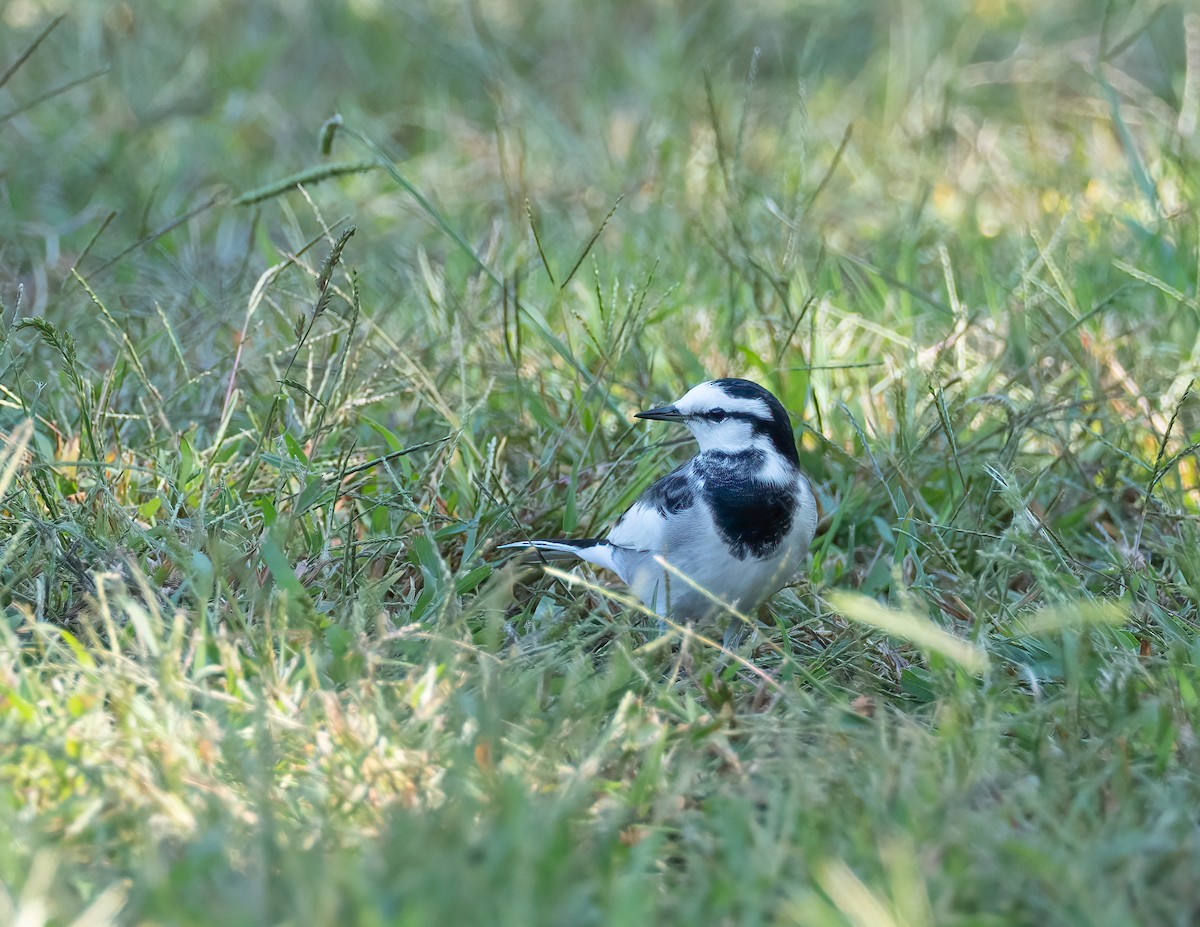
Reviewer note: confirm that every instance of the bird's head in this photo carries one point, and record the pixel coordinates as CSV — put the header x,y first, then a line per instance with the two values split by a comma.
x,y
732,415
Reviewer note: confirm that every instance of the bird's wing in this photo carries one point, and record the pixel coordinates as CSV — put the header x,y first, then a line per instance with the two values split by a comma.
x,y
655,519
667,519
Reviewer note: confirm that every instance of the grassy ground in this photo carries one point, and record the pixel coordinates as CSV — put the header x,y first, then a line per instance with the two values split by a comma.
x,y
261,664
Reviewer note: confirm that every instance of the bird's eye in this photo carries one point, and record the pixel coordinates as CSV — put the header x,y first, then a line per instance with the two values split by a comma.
x,y
717,415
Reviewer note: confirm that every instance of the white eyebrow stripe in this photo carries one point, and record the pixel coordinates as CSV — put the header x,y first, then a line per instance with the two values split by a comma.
x,y
705,397
755,407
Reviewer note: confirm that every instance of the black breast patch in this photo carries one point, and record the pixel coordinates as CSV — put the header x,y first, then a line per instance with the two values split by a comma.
x,y
672,494
752,517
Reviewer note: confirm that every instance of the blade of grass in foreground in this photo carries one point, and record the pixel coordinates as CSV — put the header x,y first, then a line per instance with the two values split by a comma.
x,y
1056,618
13,455
909,626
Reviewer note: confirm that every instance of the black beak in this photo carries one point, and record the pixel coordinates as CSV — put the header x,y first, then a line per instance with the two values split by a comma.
x,y
663,414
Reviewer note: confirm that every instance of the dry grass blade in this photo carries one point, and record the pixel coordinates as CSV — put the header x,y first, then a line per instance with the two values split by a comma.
x,y
590,243
303,178
30,48
909,626
857,903
1055,618
12,457
51,94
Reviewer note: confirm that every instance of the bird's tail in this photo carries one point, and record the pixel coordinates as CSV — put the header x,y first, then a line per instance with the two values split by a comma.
x,y
593,550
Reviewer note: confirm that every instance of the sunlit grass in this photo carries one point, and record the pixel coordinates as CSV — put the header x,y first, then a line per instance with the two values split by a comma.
x,y
306,310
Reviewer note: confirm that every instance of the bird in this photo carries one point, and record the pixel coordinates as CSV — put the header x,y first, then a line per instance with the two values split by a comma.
x,y
737,519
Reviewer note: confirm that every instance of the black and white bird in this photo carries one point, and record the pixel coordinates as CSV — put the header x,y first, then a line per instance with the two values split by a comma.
x,y
737,519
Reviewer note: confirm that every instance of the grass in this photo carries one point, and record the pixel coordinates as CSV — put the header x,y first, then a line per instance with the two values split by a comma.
x,y
274,385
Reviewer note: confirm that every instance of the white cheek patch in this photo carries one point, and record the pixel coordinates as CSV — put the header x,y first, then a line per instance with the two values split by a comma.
x,y
730,435
774,469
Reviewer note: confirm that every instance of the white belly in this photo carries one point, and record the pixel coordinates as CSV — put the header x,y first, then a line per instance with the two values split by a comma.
x,y
698,554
